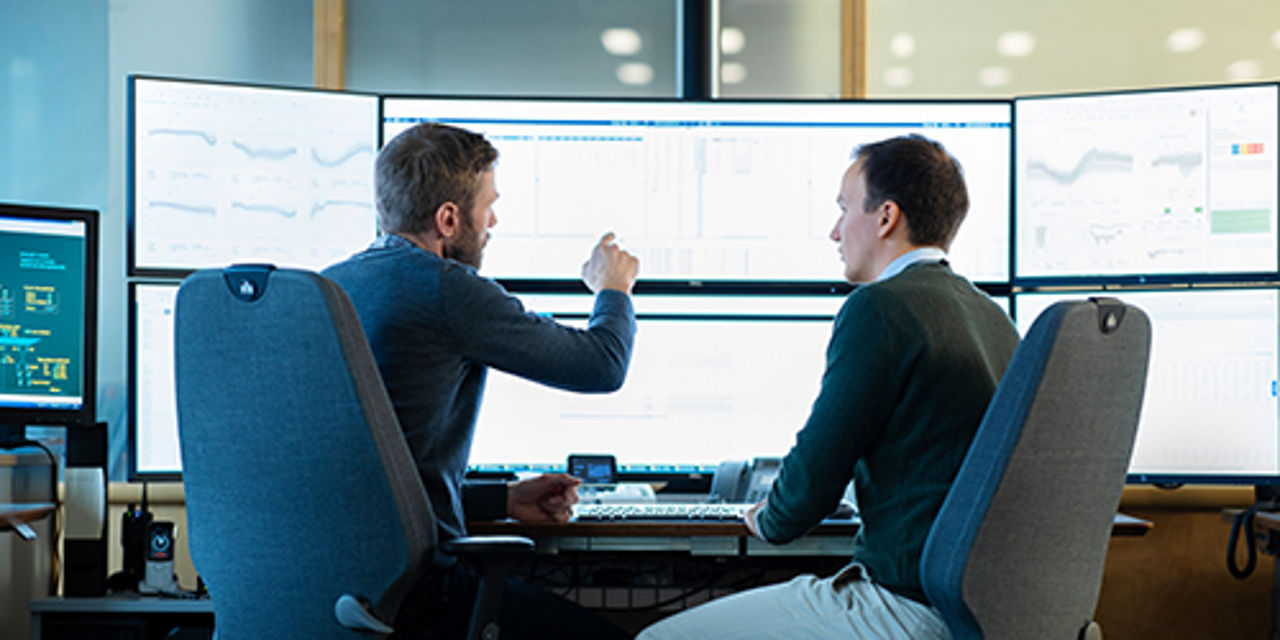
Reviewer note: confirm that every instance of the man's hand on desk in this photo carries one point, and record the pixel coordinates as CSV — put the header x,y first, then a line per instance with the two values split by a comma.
x,y
547,498
749,518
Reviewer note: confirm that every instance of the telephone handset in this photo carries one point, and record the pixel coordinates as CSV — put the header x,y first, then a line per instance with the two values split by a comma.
x,y
740,481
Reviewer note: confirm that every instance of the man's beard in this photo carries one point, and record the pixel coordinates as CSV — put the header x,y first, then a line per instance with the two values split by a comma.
x,y
468,246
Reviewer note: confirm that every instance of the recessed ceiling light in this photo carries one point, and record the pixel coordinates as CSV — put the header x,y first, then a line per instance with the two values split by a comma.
x,y
899,77
903,45
1185,40
733,73
994,76
1275,39
1244,70
622,41
1016,44
635,73
732,40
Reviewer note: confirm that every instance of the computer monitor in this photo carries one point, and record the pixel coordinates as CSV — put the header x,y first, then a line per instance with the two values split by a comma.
x,y
48,317
709,191
226,173
711,378
1147,185
153,412
1210,413
732,377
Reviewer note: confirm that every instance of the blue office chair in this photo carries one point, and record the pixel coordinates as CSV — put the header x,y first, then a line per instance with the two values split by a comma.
x,y
307,516
1018,547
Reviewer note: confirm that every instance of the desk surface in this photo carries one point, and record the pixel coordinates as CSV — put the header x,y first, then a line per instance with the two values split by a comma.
x,y
120,603
1123,525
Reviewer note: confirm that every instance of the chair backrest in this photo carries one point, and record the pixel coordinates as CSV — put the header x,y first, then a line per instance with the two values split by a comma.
x,y
299,485
1018,547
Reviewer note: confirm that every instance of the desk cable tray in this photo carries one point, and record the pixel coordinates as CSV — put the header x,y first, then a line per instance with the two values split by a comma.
x,y
660,511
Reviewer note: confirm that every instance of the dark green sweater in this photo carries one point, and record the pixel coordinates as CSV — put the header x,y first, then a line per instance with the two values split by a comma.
x,y
912,363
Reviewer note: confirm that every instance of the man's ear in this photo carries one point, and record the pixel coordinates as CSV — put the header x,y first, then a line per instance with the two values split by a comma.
x,y
447,220
889,218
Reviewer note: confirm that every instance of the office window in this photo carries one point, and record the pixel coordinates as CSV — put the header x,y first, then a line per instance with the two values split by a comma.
x,y
780,48
513,47
1007,47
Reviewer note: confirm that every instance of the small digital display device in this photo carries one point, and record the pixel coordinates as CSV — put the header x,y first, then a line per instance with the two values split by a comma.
x,y
594,469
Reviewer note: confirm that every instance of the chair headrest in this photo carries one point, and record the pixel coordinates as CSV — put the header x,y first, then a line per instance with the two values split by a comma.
x,y
248,282
1110,313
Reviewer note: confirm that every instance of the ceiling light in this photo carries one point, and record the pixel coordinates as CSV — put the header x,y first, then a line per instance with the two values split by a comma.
x,y
733,73
621,42
903,45
1016,44
1185,40
1275,39
899,77
994,77
635,73
1244,70
732,40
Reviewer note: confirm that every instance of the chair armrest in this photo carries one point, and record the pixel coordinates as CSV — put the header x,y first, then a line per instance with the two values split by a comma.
x,y
468,546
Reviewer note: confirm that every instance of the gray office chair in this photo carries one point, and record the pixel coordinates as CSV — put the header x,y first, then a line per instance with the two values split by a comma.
x,y
306,514
1018,547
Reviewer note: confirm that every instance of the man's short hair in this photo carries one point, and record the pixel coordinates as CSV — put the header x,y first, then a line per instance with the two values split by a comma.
x,y
424,167
924,180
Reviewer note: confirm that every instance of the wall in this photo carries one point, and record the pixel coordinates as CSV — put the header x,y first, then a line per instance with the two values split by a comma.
x,y
1002,48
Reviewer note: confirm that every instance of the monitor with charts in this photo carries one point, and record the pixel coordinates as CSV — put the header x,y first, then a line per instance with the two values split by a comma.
x,y
727,377
709,191
1147,185
48,317
226,173
1210,413
711,378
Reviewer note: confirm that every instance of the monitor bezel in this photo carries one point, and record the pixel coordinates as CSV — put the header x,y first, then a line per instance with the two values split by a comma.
x,y
131,231
86,414
1131,279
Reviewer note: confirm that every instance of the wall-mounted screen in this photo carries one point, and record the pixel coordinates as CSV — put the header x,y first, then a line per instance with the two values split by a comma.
x,y
1210,412
1147,184
221,173
709,190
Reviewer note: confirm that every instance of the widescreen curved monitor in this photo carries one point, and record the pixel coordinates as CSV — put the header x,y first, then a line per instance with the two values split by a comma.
x,y
709,191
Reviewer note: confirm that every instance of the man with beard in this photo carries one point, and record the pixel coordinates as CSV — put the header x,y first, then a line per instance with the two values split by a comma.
x,y
435,326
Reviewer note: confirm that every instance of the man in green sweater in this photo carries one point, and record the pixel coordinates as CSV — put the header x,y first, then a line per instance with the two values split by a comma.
x,y
915,356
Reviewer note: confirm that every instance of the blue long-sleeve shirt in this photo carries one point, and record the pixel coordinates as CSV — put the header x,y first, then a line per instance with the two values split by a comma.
x,y
435,325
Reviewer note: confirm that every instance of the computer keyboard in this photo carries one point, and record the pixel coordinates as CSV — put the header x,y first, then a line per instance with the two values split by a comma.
x,y
660,511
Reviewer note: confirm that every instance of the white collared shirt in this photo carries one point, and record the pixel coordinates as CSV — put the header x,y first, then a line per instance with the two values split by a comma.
x,y
923,254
